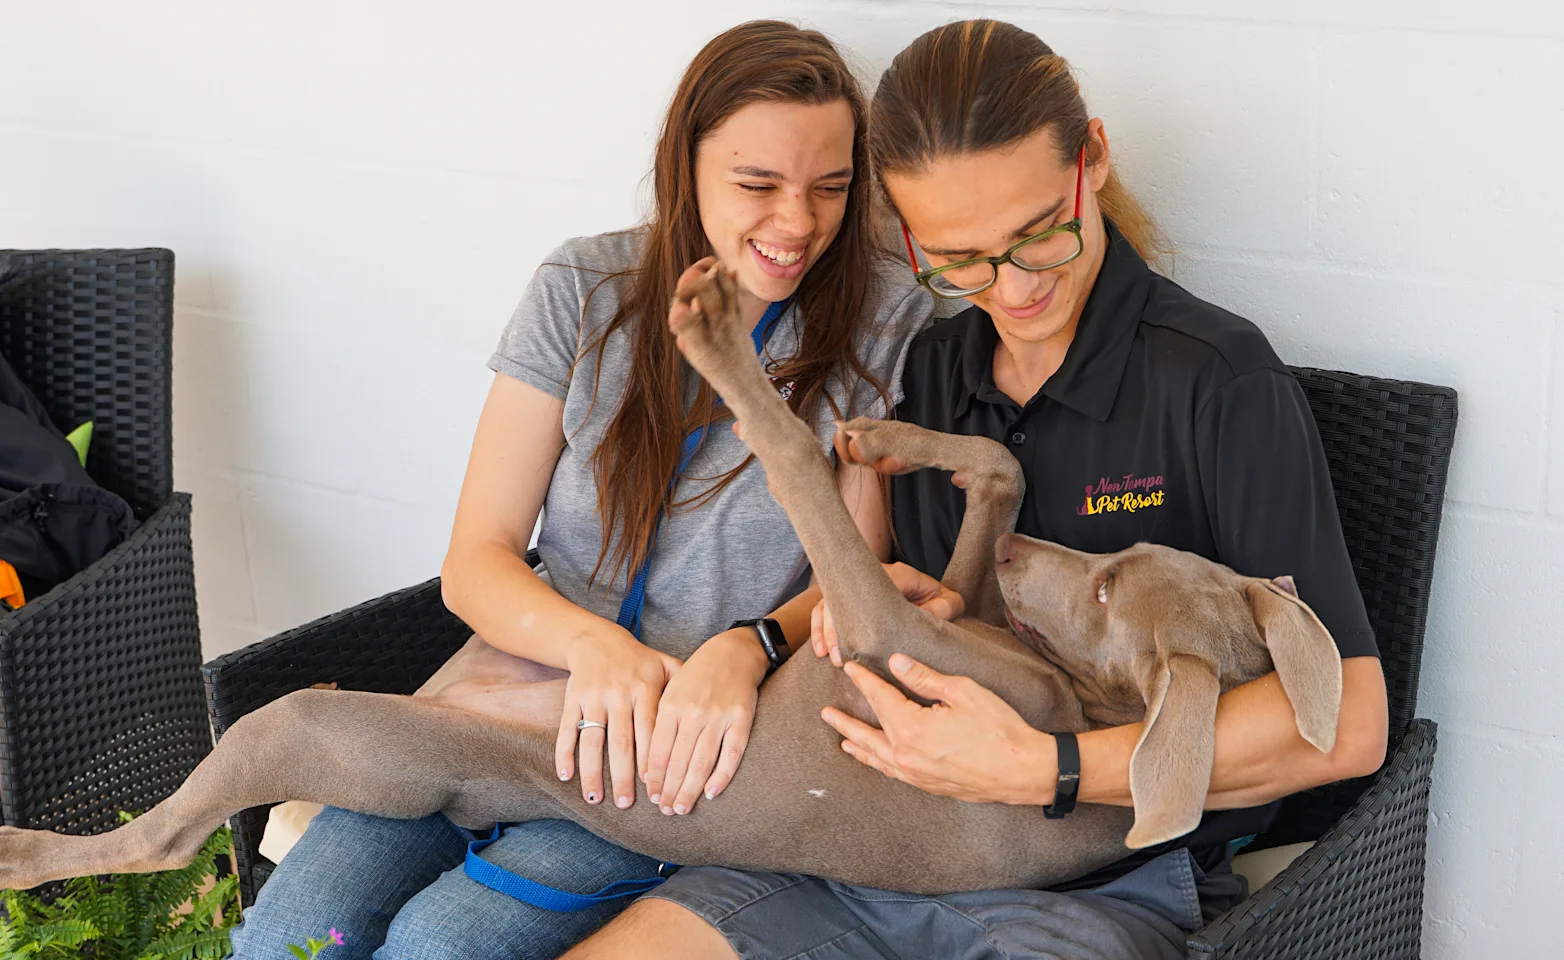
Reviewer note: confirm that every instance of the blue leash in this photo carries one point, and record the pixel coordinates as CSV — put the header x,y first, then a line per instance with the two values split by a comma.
x,y
551,898
542,895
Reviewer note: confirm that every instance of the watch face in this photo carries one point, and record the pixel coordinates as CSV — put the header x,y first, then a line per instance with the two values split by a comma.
x,y
771,639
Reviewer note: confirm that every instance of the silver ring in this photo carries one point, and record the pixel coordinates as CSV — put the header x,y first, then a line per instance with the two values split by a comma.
x,y
584,724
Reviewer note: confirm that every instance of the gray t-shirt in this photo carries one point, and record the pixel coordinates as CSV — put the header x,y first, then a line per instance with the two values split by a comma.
x,y
735,556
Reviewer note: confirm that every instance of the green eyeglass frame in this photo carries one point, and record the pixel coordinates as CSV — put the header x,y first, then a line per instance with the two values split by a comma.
x,y
1072,226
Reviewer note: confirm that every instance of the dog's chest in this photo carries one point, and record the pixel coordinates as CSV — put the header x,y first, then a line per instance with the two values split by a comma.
x,y
1106,703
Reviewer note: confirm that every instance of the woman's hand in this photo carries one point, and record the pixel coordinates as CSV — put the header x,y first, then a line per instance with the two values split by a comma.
x,y
615,680
923,590
703,721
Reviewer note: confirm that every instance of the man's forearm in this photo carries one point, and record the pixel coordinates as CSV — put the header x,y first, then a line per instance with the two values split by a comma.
x,y
1259,755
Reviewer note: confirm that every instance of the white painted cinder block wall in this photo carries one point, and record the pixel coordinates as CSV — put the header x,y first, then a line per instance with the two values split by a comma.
x,y
357,192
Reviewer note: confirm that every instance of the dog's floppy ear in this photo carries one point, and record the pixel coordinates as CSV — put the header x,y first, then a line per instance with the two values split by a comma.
x,y
1170,771
1305,657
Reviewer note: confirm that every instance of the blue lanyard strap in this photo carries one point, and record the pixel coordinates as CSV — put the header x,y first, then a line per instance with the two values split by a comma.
x,y
549,898
635,598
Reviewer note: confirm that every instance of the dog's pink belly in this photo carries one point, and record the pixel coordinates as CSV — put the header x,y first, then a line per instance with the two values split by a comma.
x,y
477,660
529,704
483,680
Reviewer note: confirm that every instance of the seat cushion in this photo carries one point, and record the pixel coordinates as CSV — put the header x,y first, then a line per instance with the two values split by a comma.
x,y
1259,867
284,826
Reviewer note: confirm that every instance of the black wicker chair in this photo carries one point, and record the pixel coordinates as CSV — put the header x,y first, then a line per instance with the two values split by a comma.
x,y
1357,893
100,686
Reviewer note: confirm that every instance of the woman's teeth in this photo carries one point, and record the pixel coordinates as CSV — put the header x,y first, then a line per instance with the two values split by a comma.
x,y
782,258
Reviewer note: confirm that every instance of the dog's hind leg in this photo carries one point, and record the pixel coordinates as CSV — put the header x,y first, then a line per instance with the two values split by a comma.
x,y
869,611
992,479
382,754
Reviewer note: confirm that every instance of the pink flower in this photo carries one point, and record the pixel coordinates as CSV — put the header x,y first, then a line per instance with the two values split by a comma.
x,y
334,936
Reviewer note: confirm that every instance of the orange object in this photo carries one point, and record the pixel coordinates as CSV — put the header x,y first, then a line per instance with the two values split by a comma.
x,y
10,586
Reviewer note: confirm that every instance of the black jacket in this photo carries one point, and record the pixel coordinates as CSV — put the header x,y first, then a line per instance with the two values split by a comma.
x,y
54,520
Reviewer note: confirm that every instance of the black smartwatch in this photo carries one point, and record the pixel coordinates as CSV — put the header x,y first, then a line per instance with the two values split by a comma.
x,y
771,640
1069,776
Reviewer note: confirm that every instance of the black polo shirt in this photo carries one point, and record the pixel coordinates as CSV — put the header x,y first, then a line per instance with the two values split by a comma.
x,y
1171,421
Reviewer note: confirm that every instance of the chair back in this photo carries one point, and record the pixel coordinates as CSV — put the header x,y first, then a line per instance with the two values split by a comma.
x,y
1387,443
1388,446
91,332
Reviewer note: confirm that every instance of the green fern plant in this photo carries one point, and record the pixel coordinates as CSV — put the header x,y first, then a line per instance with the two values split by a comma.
x,y
129,916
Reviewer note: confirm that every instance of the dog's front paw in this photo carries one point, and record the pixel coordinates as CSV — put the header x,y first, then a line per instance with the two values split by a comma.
x,y
888,446
707,323
894,447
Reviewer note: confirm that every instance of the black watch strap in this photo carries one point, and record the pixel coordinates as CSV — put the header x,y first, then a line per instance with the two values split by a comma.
x,y
1069,776
771,640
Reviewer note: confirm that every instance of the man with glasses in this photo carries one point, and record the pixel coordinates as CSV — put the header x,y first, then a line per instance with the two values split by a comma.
x,y
971,276
1139,413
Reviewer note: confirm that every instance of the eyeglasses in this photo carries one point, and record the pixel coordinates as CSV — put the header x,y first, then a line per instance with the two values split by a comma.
x,y
1052,248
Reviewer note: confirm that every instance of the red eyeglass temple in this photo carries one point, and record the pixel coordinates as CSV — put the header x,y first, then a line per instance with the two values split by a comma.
x,y
1080,174
912,258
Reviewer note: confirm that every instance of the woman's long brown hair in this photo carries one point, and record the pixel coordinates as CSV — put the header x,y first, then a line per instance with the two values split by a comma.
x,y
765,61
985,84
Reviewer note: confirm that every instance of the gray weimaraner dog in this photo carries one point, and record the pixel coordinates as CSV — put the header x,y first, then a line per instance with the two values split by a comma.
x,y
1072,641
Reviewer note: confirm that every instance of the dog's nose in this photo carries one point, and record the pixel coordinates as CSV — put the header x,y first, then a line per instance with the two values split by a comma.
x,y
1002,549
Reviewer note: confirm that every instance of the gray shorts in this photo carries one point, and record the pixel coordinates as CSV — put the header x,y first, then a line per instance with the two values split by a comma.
x,y
788,916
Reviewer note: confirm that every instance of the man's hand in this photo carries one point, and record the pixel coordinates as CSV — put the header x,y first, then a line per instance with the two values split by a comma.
x,y
920,588
969,745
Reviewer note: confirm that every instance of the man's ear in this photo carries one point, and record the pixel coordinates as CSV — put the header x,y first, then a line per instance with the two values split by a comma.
x,y
1170,771
1305,658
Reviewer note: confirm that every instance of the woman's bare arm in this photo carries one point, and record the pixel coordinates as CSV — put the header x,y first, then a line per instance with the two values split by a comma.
x,y
485,579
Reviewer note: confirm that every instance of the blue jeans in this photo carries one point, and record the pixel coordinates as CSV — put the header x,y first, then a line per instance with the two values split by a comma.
x,y
395,890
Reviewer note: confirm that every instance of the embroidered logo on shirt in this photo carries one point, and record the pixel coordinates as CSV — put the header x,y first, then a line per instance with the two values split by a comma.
x,y
1129,493
782,385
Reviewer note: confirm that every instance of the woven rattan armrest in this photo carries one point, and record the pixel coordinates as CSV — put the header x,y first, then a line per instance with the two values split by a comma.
x,y
1357,892
387,645
100,696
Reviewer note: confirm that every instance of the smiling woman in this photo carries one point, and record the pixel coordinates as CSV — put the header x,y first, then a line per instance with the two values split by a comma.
x,y
594,415
770,222
756,165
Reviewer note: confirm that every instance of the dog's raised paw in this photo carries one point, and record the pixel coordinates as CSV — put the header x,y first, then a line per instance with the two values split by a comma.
x,y
707,324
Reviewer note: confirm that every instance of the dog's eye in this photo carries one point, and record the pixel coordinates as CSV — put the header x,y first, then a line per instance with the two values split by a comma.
x,y
1102,592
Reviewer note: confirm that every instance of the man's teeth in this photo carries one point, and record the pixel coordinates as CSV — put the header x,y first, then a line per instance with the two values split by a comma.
x,y
782,258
